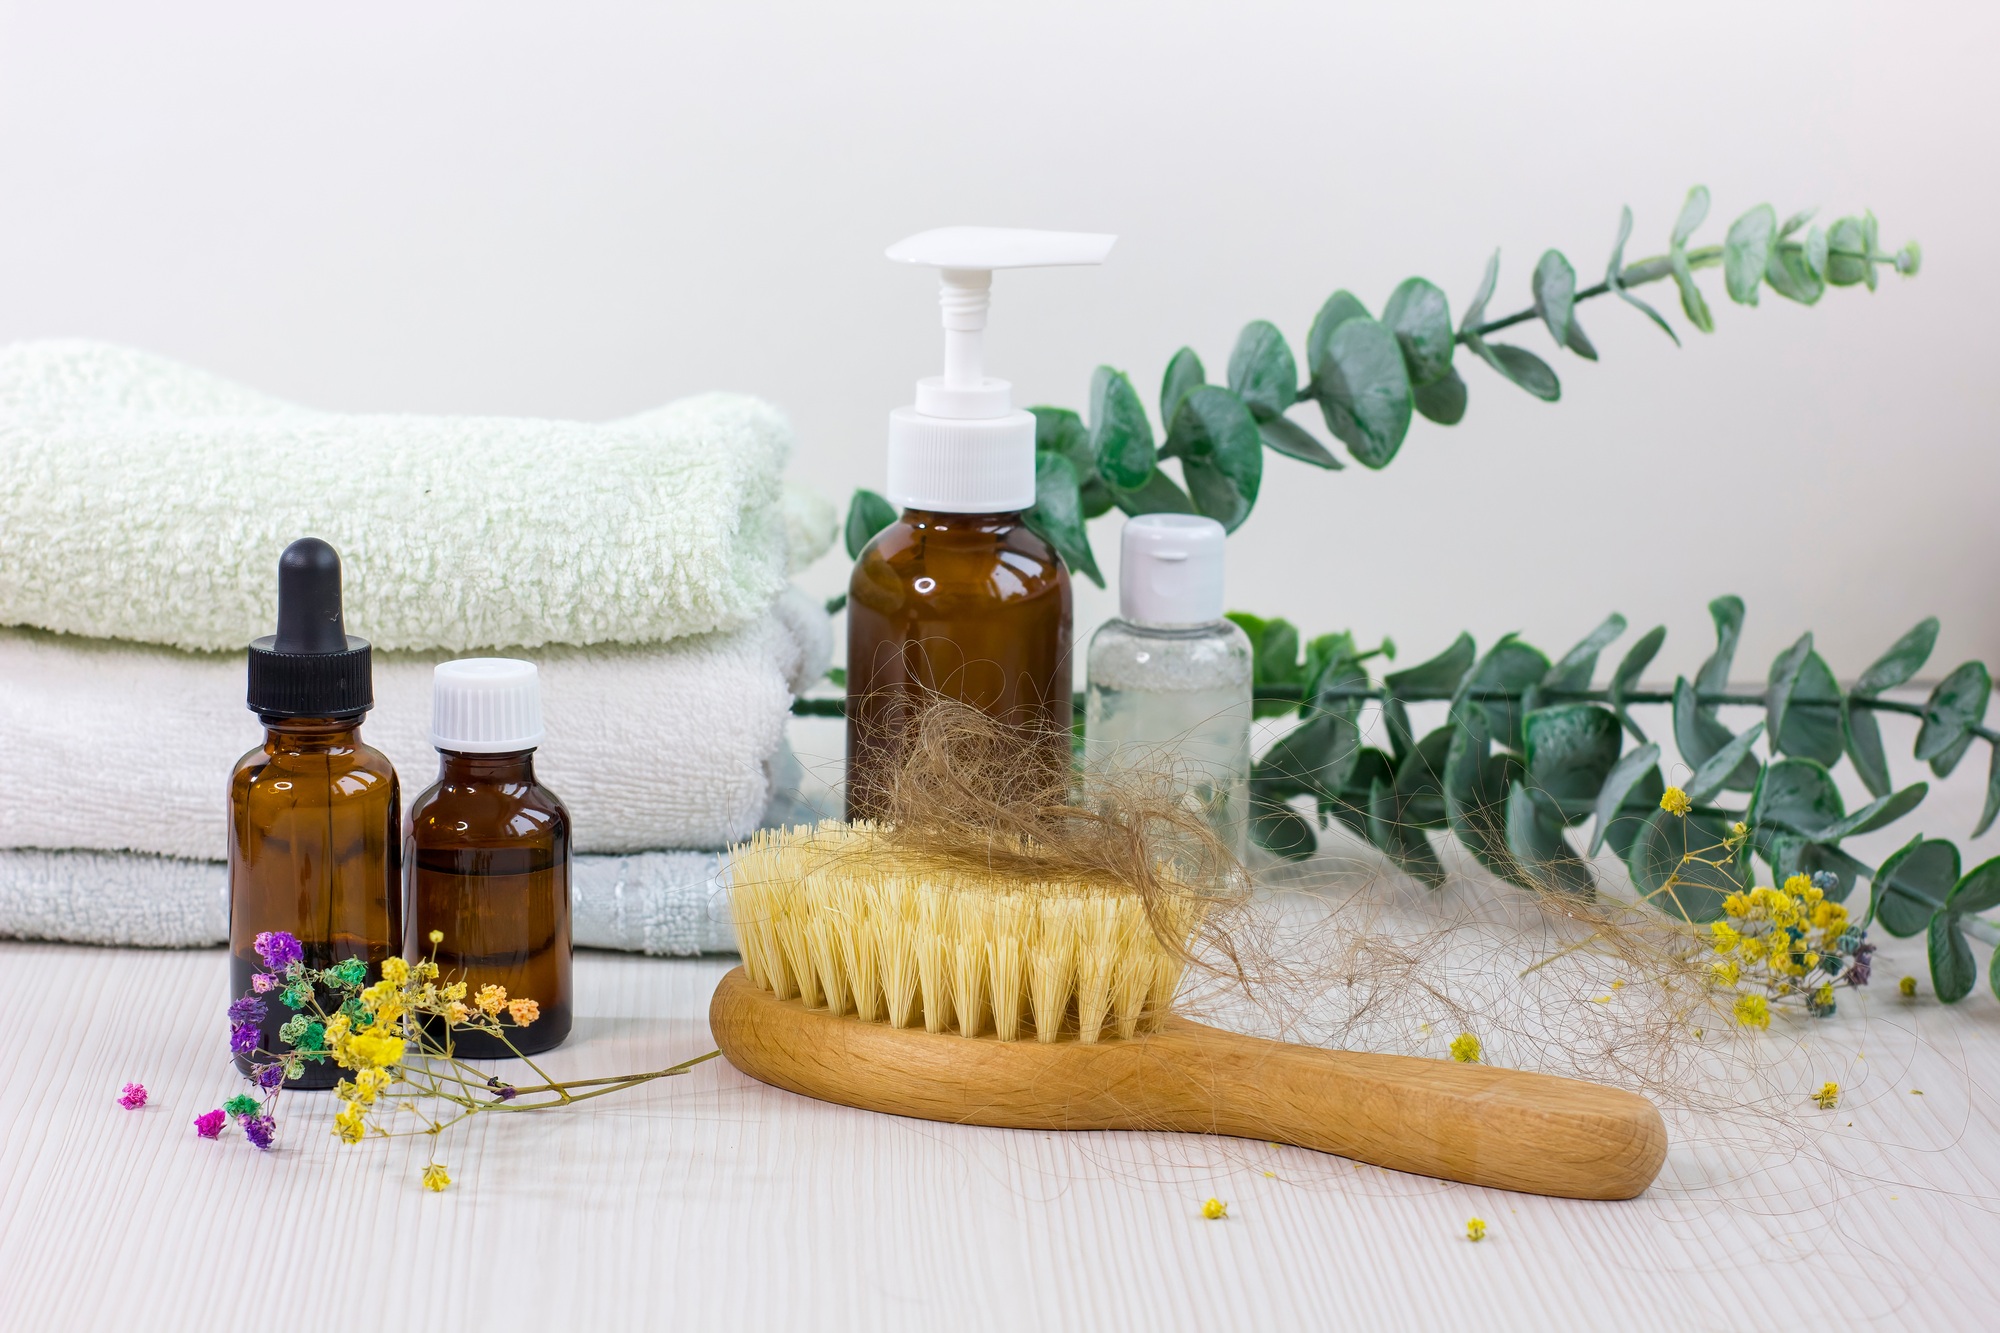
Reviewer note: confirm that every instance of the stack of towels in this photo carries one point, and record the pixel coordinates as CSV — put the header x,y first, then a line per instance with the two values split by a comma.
x,y
641,563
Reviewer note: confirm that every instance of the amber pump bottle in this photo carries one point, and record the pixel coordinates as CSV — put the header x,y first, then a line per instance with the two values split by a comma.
x,y
314,814
959,597
488,858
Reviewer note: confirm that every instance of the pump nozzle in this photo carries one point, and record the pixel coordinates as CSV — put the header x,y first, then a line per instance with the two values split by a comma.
x,y
963,448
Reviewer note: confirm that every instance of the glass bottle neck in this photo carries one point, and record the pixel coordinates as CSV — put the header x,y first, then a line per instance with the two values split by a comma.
x,y
932,520
511,766
311,734
1174,631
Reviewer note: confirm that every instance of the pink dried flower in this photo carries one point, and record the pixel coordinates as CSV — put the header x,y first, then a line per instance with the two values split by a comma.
x,y
262,981
209,1124
133,1097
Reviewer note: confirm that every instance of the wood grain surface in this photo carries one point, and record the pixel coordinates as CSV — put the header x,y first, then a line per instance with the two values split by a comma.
x,y
1470,1123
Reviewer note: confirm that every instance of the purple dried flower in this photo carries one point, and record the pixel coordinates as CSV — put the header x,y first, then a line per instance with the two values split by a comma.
x,y
260,1130
279,949
262,981
268,1077
1857,971
133,1097
248,1009
209,1123
243,1039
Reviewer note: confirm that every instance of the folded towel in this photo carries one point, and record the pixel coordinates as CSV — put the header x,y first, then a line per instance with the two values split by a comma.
x,y
143,500
111,746
656,902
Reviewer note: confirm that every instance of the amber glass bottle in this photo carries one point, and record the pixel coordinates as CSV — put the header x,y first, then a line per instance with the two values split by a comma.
x,y
488,869
314,814
975,607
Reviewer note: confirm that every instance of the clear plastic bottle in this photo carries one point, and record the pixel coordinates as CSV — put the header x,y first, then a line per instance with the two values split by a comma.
x,y
1169,692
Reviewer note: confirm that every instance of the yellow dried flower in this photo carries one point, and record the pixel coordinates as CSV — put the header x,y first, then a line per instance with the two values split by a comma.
x,y
435,1178
1739,830
456,1012
1675,802
349,1124
437,937
1737,904
375,1049
1723,937
491,1000
1475,1229
1908,986
1824,995
455,991
1465,1048
1753,1011
1752,948
395,971
1215,1210
524,1012
1828,1096
369,1083
1725,974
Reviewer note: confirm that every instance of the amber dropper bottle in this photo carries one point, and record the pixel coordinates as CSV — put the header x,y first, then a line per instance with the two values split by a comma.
x,y
488,858
314,814
958,597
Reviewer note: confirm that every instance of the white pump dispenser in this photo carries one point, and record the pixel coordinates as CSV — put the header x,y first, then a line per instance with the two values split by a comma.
x,y
963,448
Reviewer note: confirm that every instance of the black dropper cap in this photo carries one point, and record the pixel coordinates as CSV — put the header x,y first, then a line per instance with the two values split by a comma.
x,y
312,667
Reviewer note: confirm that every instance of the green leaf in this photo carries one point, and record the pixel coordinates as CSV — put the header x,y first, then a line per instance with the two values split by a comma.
x,y
1555,301
1058,514
1699,734
1946,762
1442,402
1797,796
1404,843
1274,648
1993,974
1657,856
1364,391
1318,757
1746,252
1580,663
1476,787
1727,613
1869,242
1420,317
1508,665
1420,780
1475,310
1637,658
1718,767
1402,736
1977,890
1817,252
1912,885
1436,679
1784,675
1184,372
1221,453
1694,210
1955,706
1796,220
1791,275
1992,793
1339,308
1571,749
1846,250
1693,304
1520,366
1811,715
1262,372
834,606
1158,496
1061,431
1351,807
1121,439
1614,278
867,514
1544,858
1282,831
1952,969
1291,439
1904,659
1862,737
1626,775
1879,813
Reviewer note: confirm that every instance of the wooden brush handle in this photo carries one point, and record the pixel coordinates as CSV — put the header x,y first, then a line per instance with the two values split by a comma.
x,y
1484,1126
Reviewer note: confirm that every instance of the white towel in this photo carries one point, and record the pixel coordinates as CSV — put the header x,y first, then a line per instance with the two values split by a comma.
x,y
657,902
143,500
108,746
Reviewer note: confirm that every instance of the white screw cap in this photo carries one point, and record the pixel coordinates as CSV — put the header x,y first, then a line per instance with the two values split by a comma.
x,y
1170,570
486,705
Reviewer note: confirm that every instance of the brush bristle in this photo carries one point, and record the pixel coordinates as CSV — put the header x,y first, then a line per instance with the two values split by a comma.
x,y
830,916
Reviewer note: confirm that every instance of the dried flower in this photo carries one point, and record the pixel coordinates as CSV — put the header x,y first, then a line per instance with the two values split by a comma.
x,y
261,1130
1465,1048
242,1104
209,1123
437,937
246,1009
1828,1096
133,1097
373,1049
491,999
351,1123
524,1012
435,1179
1908,986
279,949
1215,1210
1753,1011
268,1077
1675,802
1475,1229
262,981
243,1039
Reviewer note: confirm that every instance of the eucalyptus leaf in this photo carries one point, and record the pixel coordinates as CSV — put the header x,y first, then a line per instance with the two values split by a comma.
x,y
1262,372
1282,831
1817,253
1061,431
1952,970
1442,402
1121,439
1058,515
1542,855
1690,890
1992,809
1511,666
1717,769
1978,890
1796,796
1221,452
1912,885
867,514
1404,843
1419,781
1577,666
1846,251
1624,776
1364,390
1420,317
1693,304
1436,679
1879,813
1746,253
1292,440
1727,613
1947,761
1158,496
1796,220
1955,706
1520,366
1904,659
1184,372
1699,734
1475,310
1811,728
1790,274
1862,738
1571,750
1554,287
1614,278
1869,240
1339,308
1633,665
1694,210
1785,674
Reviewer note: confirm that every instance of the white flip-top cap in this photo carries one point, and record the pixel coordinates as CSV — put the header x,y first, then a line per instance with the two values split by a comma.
x,y
1170,570
963,448
486,705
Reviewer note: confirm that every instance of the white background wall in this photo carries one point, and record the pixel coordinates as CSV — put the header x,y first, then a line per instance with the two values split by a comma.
x,y
583,209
